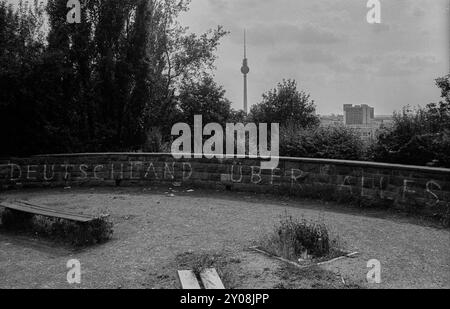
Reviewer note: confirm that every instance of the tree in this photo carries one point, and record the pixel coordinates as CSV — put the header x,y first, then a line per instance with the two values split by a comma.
x,y
285,105
238,116
135,54
21,49
206,98
444,84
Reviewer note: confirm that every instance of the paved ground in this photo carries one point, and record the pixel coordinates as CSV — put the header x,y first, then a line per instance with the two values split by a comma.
x,y
153,228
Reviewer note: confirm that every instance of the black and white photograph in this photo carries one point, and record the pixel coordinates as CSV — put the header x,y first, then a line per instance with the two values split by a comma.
x,y
231,151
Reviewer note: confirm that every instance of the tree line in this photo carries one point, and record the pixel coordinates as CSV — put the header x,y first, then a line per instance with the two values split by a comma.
x,y
101,84
122,77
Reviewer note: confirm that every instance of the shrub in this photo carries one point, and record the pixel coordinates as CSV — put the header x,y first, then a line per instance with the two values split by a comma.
x,y
409,141
13,219
76,233
292,237
334,142
419,136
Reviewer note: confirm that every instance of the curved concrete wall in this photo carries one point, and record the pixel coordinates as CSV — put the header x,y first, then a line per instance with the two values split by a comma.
x,y
422,189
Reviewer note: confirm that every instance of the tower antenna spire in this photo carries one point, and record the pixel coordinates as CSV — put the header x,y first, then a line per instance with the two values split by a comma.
x,y
245,43
245,70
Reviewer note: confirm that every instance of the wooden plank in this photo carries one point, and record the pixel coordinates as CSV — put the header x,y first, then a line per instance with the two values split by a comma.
x,y
211,279
188,280
38,210
54,210
256,249
339,258
75,216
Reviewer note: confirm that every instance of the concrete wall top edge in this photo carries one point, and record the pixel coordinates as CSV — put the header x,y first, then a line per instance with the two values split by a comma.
x,y
362,164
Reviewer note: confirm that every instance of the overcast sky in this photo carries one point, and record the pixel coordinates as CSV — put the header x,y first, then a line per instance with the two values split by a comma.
x,y
331,50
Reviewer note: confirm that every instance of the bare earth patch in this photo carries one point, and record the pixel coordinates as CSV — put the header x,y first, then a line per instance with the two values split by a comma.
x,y
155,234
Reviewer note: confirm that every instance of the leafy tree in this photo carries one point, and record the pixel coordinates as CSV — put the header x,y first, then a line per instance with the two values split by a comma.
x,y
206,98
135,55
285,105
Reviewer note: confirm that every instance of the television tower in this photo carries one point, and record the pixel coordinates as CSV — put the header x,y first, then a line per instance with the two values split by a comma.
x,y
245,70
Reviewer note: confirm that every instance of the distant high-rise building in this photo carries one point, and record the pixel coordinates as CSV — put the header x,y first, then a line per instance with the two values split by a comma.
x,y
245,70
358,114
361,118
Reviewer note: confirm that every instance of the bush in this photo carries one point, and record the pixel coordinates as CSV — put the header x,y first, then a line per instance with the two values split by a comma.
x,y
292,237
13,219
334,142
76,233
419,136
414,140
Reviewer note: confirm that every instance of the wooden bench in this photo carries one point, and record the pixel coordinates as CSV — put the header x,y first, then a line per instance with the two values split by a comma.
x,y
27,207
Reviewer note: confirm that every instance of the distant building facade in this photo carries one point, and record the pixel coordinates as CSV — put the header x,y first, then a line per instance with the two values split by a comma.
x,y
361,119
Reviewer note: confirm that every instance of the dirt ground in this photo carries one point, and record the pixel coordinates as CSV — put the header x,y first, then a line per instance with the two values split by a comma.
x,y
154,230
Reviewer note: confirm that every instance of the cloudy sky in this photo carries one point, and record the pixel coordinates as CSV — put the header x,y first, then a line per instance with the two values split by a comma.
x,y
331,50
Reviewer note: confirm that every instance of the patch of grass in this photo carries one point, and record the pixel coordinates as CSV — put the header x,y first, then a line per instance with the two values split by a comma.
x,y
78,234
293,239
313,277
197,262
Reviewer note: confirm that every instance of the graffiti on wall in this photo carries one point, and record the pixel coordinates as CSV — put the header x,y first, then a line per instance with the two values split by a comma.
x,y
362,184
